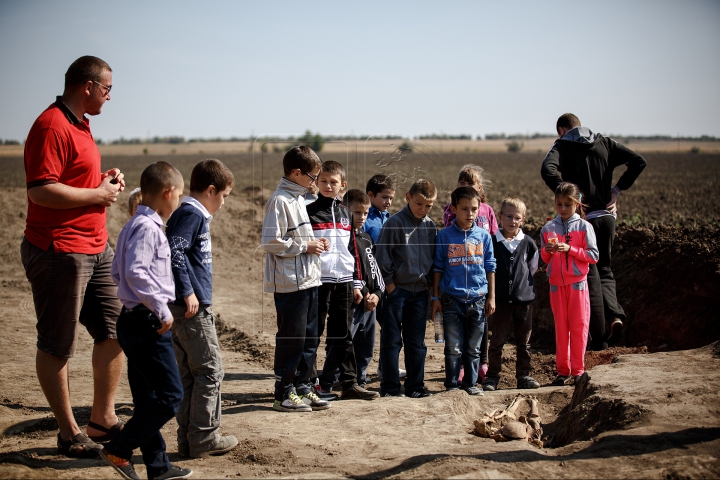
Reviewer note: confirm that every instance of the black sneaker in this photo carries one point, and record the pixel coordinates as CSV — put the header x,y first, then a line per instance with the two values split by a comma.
x,y
122,466
393,395
527,382
324,394
490,384
422,393
359,393
561,380
174,472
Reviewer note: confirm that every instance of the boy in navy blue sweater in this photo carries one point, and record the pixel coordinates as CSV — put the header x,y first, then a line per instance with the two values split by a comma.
x,y
194,336
517,261
464,271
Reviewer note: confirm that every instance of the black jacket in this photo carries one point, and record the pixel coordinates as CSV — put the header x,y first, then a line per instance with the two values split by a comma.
x,y
513,280
590,166
368,278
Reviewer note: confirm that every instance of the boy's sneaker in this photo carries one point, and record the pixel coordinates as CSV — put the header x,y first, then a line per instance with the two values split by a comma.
x,y
222,445
315,402
474,391
357,392
323,394
393,395
422,393
174,472
123,467
561,380
292,403
490,384
527,382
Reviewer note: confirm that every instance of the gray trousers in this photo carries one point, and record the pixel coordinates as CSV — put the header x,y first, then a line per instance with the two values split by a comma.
x,y
198,357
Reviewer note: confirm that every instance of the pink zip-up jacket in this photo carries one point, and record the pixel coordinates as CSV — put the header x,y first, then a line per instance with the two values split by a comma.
x,y
570,267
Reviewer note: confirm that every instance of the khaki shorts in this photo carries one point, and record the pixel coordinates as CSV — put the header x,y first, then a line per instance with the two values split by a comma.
x,y
70,288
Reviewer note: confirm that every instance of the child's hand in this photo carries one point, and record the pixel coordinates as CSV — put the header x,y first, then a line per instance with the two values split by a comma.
x,y
489,306
390,288
166,324
371,302
357,296
563,247
550,248
325,242
192,306
436,306
316,247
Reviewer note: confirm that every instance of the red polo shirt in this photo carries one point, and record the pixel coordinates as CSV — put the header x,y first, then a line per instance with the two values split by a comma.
x,y
61,149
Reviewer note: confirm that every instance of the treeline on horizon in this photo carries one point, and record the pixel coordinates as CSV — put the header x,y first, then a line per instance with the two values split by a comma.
x,y
310,138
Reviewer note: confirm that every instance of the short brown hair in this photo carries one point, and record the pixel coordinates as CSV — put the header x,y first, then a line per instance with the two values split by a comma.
x,y
331,166
84,69
356,196
515,203
425,188
378,183
211,172
567,120
159,176
303,158
463,192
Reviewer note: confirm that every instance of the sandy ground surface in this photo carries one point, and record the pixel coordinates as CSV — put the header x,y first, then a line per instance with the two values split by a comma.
x,y
644,416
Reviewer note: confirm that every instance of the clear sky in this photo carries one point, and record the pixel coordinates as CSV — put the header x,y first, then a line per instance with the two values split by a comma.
x,y
216,68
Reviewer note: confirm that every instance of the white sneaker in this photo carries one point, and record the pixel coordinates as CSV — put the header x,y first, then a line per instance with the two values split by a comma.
x,y
292,403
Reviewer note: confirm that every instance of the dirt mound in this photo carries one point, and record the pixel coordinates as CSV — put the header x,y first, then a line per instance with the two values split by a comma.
x,y
668,281
236,340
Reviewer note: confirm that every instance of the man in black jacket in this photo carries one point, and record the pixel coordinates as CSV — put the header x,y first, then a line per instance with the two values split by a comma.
x,y
588,159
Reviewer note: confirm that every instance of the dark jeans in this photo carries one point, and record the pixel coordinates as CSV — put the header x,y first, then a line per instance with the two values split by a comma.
x,y
335,300
605,235
519,318
464,324
155,386
404,320
296,341
363,339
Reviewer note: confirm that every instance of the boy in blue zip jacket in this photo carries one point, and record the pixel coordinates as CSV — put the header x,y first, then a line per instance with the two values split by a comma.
x,y
464,271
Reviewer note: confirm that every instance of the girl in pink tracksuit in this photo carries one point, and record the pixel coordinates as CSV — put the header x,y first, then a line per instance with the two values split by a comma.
x,y
568,247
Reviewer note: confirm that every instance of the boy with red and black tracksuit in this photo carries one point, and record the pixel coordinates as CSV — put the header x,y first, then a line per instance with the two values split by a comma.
x,y
371,285
588,159
336,296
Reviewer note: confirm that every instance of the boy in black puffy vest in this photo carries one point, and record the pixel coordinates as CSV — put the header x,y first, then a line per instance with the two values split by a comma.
x,y
517,261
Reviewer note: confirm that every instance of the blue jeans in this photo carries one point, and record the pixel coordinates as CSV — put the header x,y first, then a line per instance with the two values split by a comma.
x,y
464,324
296,341
155,386
404,319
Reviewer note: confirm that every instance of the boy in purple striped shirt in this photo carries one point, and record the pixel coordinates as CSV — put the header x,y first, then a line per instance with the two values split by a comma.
x,y
141,270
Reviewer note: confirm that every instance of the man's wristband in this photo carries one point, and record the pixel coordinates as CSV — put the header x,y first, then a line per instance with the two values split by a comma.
x,y
433,298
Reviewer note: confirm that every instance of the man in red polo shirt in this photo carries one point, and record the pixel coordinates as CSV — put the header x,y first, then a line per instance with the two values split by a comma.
x,y
66,255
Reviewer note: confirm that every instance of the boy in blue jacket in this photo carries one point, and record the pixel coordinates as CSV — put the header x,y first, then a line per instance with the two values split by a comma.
x,y
194,336
464,271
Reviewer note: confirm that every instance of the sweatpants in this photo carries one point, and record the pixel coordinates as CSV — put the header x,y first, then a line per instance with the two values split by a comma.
x,y
363,339
571,308
335,300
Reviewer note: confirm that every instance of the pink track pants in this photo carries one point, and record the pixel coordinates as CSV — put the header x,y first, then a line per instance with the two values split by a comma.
x,y
571,308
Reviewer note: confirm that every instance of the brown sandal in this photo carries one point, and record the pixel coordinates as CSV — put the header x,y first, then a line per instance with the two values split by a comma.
x,y
109,432
79,446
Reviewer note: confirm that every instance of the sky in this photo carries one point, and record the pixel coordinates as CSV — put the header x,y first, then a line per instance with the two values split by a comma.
x,y
241,68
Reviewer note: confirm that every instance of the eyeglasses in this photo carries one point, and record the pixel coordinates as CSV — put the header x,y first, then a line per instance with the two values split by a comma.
x,y
104,86
313,179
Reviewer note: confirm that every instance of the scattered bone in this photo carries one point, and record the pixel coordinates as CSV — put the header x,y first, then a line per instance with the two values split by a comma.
x,y
503,426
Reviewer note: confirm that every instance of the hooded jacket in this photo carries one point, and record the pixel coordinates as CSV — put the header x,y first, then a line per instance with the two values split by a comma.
x,y
405,250
569,267
368,278
464,257
286,231
588,159
332,220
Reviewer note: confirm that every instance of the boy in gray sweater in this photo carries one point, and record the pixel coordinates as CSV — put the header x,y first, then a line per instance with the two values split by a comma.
x,y
405,256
